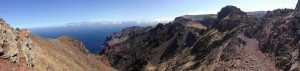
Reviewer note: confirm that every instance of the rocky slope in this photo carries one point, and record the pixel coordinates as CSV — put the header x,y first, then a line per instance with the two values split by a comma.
x,y
119,37
154,46
234,41
65,54
22,51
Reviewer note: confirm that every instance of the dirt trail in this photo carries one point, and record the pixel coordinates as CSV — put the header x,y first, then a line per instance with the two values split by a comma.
x,y
254,57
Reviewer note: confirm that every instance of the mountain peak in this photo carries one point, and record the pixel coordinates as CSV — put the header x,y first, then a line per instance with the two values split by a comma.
x,y
228,15
230,11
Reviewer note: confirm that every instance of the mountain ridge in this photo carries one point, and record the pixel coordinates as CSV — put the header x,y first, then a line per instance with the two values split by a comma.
x,y
234,41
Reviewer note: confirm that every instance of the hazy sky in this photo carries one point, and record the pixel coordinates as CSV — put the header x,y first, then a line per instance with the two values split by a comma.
x,y
37,13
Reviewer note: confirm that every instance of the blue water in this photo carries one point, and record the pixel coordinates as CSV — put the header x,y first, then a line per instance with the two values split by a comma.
x,y
93,35
91,38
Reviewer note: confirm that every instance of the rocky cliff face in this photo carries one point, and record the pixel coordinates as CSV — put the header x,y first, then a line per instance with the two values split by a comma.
x,y
279,37
22,51
235,41
119,37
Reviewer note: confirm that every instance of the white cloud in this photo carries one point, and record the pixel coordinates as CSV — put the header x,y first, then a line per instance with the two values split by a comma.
x,y
163,20
157,20
111,22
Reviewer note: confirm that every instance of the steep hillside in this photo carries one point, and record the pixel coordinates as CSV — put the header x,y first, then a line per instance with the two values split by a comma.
x,y
65,54
234,41
22,51
155,46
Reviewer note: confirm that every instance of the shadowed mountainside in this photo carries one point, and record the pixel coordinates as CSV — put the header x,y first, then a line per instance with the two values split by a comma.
x,y
231,40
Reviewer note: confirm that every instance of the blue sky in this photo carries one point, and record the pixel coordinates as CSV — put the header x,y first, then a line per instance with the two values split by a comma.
x,y
41,13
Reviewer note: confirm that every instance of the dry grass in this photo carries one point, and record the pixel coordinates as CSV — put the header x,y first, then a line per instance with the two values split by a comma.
x,y
64,55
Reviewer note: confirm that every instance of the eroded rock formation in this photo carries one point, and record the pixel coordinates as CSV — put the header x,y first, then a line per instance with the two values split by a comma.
x,y
16,46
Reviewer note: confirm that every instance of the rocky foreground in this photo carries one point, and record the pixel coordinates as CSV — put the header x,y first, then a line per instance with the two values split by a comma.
x,y
22,51
230,40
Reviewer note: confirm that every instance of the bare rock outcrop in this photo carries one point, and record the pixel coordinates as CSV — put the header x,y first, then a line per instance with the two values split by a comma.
x,y
15,45
279,37
230,12
231,17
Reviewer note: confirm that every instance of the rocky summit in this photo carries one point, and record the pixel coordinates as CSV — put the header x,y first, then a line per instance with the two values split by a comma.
x,y
234,41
